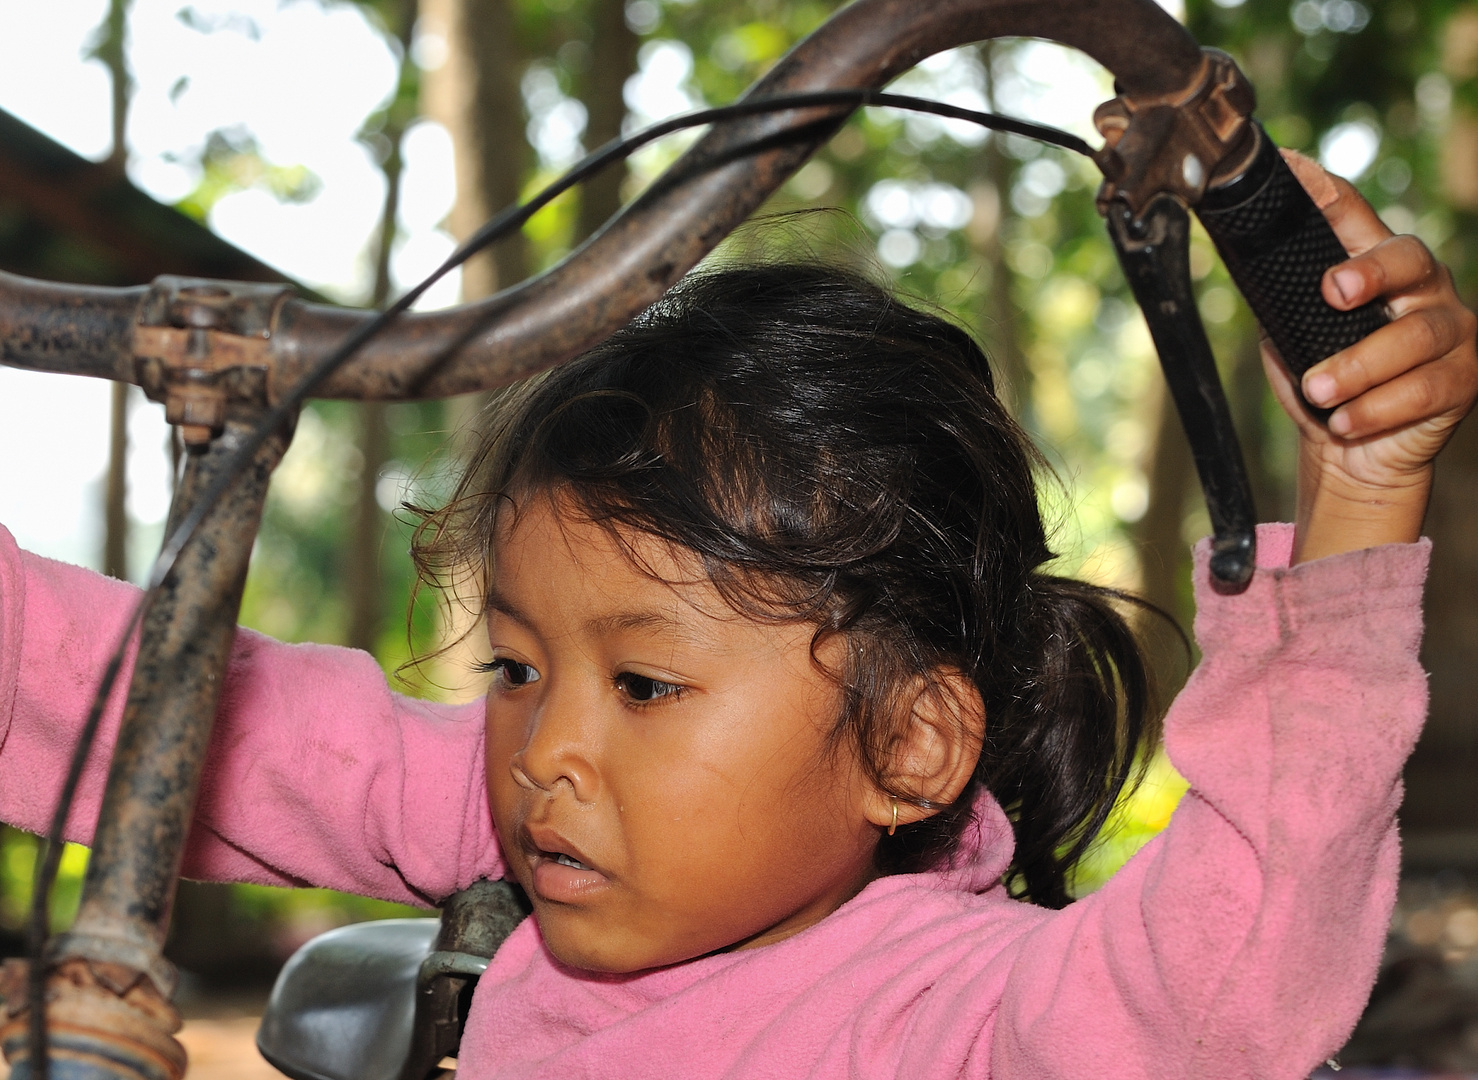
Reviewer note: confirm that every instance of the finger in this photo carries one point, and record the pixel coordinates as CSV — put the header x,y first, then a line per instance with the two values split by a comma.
x,y
1284,389
1400,264
1442,388
1416,338
1353,219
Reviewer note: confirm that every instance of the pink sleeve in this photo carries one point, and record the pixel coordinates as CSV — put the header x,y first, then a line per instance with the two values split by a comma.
x,y
317,774
1244,940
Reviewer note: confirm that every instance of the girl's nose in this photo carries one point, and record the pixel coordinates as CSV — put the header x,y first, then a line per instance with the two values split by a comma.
x,y
557,751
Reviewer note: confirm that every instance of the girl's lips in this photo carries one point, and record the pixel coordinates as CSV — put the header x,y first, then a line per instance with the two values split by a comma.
x,y
551,855
564,884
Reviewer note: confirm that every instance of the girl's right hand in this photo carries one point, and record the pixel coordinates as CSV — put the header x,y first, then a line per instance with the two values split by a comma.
x,y
1398,394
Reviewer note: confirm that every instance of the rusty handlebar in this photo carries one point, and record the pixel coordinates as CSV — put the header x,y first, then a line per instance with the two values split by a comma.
x,y
640,253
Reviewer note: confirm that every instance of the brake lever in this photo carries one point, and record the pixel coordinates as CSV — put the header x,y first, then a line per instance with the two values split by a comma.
x,y
1200,147
1154,250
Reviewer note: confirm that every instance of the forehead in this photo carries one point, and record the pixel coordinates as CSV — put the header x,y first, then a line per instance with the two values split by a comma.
x,y
547,552
562,578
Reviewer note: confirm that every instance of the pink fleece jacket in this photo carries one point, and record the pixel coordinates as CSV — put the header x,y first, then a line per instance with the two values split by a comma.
x,y
1241,942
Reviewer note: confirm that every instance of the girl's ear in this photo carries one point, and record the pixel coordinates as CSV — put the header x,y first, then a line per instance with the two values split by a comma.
x,y
934,751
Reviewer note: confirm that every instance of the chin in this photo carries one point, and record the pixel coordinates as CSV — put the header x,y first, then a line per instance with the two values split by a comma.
x,y
585,948
600,950
602,961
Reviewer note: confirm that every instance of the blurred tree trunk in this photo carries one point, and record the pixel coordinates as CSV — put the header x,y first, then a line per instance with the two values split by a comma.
x,y
1164,556
613,50
210,936
1440,813
362,561
1247,389
109,47
475,94
115,487
1172,475
363,578
1384,68
990,195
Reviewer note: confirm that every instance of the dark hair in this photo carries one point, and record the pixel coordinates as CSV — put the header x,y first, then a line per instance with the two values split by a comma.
x,y
832,454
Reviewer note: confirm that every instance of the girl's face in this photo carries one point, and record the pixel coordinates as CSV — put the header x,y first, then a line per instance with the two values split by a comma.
x,y
658,765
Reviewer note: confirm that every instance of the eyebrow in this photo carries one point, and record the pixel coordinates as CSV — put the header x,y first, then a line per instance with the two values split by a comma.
x,y
496,601
632,620
611,623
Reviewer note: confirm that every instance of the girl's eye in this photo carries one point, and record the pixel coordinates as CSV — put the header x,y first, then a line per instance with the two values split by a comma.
x,y
511,674
642,689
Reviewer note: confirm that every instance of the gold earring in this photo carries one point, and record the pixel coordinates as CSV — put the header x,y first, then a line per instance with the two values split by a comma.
x,y
893,828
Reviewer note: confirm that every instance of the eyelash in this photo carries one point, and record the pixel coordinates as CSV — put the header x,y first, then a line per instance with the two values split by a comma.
x,y
641,691
664,692
499,668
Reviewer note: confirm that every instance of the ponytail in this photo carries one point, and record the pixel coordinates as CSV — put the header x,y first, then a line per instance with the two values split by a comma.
x,y
1064,749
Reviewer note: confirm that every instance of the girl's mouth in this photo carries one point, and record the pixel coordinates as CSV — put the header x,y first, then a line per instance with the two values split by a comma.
x,y
560,876
564,879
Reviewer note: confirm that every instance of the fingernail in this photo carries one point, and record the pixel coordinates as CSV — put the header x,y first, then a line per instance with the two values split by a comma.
x,y
1320,388
1348,283
1340,423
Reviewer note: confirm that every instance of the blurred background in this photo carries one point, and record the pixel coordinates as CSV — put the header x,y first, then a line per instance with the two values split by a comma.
x,y
344,146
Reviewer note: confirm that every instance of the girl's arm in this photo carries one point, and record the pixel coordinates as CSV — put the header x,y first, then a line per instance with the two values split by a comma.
x,y
1243,941
317,774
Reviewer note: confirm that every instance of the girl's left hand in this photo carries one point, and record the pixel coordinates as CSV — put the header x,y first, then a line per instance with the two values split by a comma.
x,y
1398,394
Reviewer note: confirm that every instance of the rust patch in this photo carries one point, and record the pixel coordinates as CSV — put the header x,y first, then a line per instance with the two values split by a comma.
x,y
96,1014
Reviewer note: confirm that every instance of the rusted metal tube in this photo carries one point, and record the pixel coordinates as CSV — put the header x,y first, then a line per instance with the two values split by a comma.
x,y
75,329
187,635
474,923
149,800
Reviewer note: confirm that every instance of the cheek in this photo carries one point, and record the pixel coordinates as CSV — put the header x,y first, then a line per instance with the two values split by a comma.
x,y
733,814
803,814
502,739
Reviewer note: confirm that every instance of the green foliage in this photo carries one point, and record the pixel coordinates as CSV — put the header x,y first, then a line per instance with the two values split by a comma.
x,y
551,232
310,909
17,861
1402,68
324,907
231,162
1137,819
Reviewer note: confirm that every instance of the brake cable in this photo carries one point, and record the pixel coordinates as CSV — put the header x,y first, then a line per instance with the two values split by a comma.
x,y
48,860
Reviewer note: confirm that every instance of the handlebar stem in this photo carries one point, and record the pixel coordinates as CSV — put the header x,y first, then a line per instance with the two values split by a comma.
x,y
200,346
149,799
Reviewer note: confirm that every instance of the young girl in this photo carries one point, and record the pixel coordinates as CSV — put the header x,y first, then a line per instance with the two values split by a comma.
x,y
791,739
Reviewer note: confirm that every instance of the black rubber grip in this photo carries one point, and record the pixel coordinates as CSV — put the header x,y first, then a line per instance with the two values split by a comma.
x,y
1276,244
